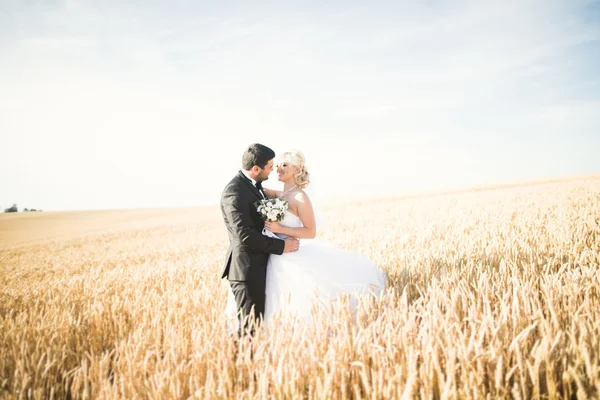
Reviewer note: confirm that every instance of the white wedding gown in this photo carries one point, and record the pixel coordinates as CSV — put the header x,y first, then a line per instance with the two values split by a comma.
x,y
317,272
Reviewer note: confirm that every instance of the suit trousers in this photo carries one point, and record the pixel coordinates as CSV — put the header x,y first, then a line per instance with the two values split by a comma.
x,y
250,300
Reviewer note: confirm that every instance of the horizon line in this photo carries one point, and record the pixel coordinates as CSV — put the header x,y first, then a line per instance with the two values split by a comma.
x,y
458,189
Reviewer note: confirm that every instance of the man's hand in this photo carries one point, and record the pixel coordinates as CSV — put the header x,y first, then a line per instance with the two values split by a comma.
x,y
291,245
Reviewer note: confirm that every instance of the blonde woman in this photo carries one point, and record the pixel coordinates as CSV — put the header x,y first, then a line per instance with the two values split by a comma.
x,y
295,280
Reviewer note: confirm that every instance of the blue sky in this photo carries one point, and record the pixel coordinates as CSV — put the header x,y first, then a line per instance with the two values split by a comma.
x,y
149,104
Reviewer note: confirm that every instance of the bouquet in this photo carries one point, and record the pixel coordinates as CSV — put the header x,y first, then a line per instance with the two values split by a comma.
x,y
271,210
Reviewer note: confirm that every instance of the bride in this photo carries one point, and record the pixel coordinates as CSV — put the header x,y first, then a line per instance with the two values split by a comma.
x,y
316,273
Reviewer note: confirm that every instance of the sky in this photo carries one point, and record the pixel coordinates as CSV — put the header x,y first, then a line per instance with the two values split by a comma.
x,y
112,104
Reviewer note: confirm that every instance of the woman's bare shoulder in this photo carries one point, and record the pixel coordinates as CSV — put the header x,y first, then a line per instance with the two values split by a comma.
x,y
301,196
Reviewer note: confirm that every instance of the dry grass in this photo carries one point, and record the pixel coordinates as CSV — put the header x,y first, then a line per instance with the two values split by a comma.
x,y
492,293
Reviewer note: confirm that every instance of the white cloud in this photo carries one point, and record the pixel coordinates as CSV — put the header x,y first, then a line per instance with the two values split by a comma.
x,y
160,96
53,44
569,113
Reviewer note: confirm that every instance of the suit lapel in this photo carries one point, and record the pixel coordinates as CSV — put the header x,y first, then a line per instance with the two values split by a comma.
x,y
250,185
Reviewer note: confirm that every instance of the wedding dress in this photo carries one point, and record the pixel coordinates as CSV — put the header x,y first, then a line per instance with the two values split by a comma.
x,y
316,273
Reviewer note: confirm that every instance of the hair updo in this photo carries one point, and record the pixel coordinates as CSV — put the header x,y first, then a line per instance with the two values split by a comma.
x,y
296,158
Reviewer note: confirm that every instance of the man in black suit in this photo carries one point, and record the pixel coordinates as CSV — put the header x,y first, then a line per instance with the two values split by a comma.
x,y
249,249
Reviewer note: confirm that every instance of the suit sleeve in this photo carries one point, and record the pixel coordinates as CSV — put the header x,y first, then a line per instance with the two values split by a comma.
x,y
236,212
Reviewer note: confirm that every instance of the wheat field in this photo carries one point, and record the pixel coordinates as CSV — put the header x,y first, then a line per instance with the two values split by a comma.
x,y
492,293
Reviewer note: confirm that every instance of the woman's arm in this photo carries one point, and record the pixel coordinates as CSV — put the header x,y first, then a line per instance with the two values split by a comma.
x,y
270,193
307,216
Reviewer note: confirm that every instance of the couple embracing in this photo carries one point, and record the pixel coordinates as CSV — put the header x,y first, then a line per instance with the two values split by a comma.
x,y
270,274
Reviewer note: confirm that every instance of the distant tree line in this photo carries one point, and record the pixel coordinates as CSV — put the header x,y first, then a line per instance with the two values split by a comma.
x,y
14,208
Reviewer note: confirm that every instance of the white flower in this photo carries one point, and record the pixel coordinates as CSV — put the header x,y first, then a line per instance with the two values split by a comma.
x,y
272,209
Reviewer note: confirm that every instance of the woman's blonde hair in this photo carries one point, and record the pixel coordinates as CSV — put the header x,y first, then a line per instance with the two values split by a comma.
x,y
301,178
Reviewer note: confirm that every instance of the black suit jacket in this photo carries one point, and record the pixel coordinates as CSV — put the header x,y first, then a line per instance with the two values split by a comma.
x,y
249,249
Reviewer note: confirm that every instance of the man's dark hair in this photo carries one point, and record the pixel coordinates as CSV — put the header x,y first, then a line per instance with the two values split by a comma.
x,y
257,154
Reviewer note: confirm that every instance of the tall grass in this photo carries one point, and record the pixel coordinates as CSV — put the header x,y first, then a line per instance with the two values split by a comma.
x,y
494,293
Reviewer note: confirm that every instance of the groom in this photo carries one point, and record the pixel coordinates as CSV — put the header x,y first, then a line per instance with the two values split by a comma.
x,y
249,249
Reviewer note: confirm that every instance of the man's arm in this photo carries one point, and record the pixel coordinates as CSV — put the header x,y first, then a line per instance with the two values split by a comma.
x,y
237,214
